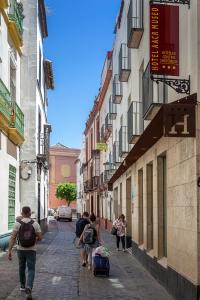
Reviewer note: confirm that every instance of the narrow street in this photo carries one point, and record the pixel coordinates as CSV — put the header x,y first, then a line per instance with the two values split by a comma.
x,y
60,276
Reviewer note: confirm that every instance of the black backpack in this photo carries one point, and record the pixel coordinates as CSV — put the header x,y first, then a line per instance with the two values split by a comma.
x,y
80,225
26,234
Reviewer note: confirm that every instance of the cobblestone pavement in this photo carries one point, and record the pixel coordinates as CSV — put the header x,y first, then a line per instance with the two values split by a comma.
x,y
60,276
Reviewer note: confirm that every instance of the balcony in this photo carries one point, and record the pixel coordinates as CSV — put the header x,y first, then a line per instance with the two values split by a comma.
x,y
3,4
124,63
16,130
107,176
103,133
96,163
11,116
151,105
123,144
117,90
135,122
135,26
108,127
5,107
95,182
16,17
116,158
88,186
101,179
112,109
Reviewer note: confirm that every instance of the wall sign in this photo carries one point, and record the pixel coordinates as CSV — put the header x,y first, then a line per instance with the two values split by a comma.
x,y
179,120
164,39
101,146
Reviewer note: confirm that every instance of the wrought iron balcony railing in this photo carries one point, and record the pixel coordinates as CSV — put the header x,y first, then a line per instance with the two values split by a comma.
x,y
116,158
10,111
16,15
124,63
103,133
112,109
117,90
96,163
135,121
108,123
88,185
152,104
5,101
135,26
123,143
17,118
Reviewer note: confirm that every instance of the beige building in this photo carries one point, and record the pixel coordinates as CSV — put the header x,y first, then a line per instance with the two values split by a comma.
x,y
152,160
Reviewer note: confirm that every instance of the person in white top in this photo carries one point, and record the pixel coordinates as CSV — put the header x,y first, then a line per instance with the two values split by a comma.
x,y
120,225
27,232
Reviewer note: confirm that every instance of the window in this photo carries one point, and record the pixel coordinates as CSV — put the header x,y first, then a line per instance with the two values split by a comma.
x,y
11,196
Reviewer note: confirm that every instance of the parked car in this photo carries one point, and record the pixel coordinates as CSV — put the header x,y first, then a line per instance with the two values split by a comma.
x,y
64,212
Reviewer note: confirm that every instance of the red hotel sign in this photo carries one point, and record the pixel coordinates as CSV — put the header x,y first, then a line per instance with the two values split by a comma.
x,y
164,39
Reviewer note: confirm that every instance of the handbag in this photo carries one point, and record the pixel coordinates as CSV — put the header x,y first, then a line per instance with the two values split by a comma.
x,y
113,231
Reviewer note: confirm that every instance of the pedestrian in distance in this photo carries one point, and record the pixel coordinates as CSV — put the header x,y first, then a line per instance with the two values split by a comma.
x,y
27,232
91,238
80,225
120,225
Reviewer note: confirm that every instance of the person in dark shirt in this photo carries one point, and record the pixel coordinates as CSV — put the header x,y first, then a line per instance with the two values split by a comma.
x,y
80,225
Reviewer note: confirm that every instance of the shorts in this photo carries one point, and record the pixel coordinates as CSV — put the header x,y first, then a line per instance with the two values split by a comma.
x,y
81,244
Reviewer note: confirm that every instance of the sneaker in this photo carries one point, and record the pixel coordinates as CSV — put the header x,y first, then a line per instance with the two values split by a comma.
x,y
117,249
124,250
28,294
22,288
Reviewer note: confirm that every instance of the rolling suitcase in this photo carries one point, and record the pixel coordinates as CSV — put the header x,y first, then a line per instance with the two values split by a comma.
x,y
101,265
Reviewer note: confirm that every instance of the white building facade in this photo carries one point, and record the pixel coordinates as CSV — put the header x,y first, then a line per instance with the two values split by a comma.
x,y
11,115
81,203
36,78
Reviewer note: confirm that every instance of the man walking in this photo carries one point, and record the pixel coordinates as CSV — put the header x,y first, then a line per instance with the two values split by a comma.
x,y
27,232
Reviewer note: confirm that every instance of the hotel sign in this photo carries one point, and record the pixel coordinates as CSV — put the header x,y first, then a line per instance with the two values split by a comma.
x,y
164,39
179,120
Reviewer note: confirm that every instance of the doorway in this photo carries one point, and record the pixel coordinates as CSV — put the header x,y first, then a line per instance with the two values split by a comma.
x,y
162,206
140,208
128,207
150,206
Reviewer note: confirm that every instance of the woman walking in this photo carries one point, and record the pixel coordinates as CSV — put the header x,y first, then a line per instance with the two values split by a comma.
x,y
91,238
120,225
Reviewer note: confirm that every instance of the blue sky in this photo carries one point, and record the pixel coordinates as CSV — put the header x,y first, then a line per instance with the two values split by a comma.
x,y
80,34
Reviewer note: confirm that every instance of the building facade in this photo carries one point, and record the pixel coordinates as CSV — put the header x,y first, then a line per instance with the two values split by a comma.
x,y
81,203
11,114
151,132
36,78
62,169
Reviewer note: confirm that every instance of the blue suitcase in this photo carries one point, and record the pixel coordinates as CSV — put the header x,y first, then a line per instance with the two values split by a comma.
x,y
101,265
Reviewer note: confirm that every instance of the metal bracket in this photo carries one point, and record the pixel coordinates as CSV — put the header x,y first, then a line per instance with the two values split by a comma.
x,y
183,2
181,86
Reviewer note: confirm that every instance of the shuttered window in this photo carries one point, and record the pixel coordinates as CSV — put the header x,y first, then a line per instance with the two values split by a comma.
x,y
11,196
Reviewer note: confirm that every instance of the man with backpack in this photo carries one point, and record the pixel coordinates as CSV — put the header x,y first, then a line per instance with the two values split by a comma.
x,y
80,225
27,232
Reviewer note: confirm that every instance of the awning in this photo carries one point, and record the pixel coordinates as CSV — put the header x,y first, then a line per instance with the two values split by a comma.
x,y
176,119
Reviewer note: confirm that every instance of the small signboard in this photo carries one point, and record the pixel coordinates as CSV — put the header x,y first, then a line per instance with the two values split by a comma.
x,y
101,146
164,39
179,120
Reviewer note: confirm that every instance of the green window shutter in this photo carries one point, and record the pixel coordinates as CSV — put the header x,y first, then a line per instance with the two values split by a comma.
x,y
11,197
